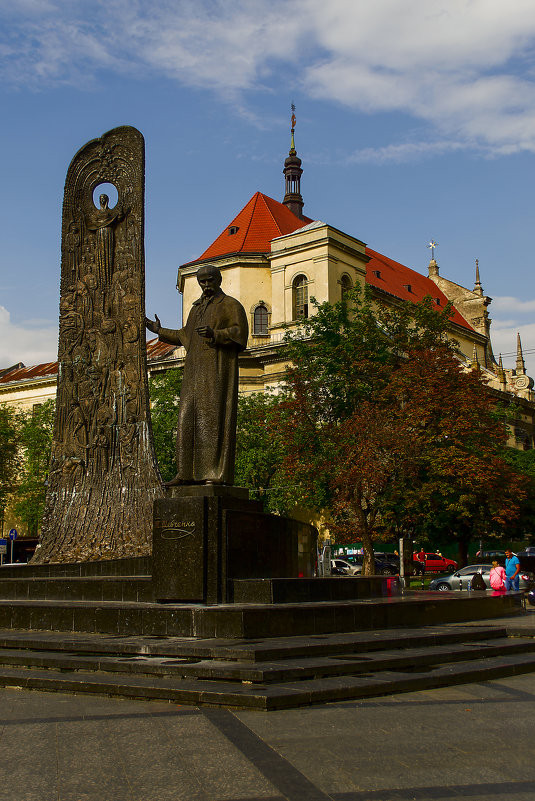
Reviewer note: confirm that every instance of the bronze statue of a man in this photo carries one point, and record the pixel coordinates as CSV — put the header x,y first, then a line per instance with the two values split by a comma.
x,y
215,333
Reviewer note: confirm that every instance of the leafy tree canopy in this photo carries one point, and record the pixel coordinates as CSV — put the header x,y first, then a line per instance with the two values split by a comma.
x,y
35,435
385,430
9,453
260,451
164,390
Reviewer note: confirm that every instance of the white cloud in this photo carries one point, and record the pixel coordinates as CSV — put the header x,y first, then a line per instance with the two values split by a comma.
x,y
512,316
409,151
511,304
31,342
465,68
504,342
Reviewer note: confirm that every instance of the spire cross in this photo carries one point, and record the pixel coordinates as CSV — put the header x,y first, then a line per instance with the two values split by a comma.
x,y
292,143
432,245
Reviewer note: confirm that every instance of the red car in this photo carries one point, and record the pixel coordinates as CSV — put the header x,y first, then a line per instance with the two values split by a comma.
x,y
435,563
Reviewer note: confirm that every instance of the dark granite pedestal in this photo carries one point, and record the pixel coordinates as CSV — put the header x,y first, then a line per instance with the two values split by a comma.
x,y
206,537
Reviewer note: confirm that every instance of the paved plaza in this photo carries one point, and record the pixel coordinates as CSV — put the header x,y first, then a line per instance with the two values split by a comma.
x,y
471,741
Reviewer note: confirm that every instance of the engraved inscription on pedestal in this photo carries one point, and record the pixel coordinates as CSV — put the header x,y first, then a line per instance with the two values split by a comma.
x,y
179,545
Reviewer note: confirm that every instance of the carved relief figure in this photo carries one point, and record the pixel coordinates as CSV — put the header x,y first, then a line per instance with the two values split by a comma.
x,y
103,221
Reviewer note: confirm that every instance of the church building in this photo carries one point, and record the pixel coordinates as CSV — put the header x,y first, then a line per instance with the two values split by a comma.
x,y
274,259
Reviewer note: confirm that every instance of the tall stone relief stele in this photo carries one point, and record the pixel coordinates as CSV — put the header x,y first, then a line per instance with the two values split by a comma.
x,y
103,473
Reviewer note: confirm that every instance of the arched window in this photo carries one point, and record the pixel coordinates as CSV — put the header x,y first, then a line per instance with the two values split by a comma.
x,y
300,297
260,320
345,281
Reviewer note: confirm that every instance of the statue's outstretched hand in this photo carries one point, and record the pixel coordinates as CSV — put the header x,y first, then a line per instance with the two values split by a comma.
x,y
205,331
153,326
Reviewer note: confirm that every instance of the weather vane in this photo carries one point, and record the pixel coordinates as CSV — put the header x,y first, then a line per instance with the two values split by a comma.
x,y
293,117
432,245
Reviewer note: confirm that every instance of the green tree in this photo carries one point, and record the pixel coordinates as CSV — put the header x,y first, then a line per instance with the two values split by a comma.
x,y
35,432
260,453
462,487
523,528
385,431
9,455
164,390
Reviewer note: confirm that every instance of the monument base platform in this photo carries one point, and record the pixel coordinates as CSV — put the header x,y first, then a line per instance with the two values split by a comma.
x,y
207,537
252,621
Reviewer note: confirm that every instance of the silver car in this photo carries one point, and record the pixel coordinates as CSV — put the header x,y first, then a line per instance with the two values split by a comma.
x,y
461,579
345,567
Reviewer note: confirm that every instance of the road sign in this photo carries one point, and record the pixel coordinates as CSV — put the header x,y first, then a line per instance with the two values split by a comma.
x,y
13,534
3,546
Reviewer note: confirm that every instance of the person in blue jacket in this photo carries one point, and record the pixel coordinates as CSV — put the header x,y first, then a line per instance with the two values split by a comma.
x,y
512,571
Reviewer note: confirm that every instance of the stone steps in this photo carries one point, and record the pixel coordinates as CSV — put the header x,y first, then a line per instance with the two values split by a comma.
x,y
292,671
264,650
266,672
86,588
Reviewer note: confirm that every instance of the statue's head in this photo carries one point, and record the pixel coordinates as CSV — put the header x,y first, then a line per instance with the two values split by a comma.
x,y
209,278
104,200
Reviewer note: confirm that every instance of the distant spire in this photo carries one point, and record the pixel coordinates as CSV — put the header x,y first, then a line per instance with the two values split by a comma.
x,y
433,266
520,365
501,371
477,286
475,358
292,173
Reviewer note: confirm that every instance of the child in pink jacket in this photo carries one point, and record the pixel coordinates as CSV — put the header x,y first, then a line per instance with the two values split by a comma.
x,y
497,576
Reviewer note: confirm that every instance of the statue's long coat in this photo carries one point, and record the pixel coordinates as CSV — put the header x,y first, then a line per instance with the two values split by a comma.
x,y
206,434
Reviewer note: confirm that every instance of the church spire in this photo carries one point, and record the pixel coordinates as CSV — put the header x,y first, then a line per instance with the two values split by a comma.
x,y
475,359
477,286
501,371
292,173
520,365
433,266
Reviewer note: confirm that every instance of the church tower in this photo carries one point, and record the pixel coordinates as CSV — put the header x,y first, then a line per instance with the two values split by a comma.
x,y
292,173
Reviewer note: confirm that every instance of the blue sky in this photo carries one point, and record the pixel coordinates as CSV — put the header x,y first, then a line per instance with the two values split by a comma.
x,y
415,120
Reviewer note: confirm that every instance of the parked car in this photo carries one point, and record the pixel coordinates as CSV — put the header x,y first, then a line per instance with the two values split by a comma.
x,y
527,559
338,571
343,568
460,579
393,559
435,563
486,555
384,556
383,567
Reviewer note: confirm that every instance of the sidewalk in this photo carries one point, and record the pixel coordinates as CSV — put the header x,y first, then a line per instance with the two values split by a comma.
x,y
472,741
523,625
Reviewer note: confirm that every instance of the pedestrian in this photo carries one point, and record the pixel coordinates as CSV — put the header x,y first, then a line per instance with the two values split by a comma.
x,y
497,576
512,571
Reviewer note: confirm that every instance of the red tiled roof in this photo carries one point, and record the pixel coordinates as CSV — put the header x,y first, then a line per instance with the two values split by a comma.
x,y
24,373
260,221
263,219
155,350
404,283
158,350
